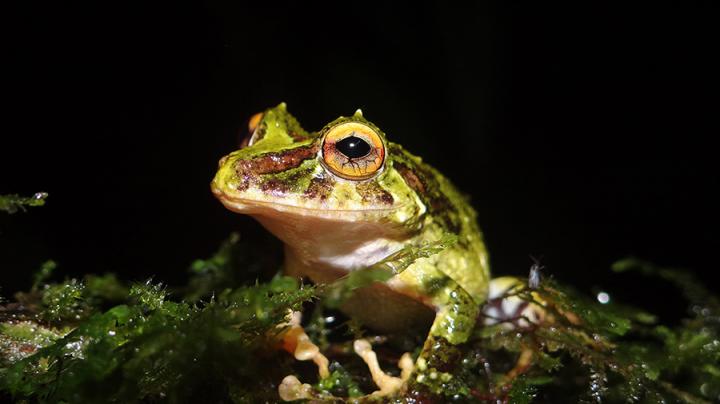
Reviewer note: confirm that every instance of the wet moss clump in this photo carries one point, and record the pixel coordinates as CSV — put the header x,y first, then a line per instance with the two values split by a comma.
x,y
15,203
102,339
145,348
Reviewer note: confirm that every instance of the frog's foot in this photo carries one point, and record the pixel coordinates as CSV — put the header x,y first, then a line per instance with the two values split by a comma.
x,y
296,342
387,384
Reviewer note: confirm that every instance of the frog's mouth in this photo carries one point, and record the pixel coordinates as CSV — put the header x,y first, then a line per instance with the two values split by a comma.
x,y
254,207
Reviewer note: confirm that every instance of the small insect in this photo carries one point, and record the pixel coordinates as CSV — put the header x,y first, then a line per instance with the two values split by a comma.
x,y
534,277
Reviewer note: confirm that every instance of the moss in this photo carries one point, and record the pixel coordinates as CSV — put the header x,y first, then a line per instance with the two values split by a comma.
x,y
20,339
63,301
339,384
15,203
154,348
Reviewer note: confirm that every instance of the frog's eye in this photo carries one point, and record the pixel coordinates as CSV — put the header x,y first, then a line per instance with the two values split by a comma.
x,y
353,151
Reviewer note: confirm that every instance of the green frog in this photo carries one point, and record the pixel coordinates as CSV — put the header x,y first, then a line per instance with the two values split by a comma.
x,y
344,198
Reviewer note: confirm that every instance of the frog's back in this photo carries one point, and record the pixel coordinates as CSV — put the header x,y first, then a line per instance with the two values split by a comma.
x,y
448,212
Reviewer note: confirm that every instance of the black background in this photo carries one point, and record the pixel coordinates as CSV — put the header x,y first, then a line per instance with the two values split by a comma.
x,y
583,133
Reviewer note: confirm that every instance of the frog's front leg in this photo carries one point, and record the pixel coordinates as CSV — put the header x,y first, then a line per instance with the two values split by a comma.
x,y
456,315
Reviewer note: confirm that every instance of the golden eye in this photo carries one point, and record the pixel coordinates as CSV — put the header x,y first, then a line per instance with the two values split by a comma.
x,y
353,151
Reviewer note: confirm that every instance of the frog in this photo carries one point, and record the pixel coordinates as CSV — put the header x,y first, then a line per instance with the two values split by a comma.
x,y
345,198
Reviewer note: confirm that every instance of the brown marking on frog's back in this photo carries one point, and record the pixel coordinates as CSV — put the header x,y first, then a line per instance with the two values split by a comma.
x,y
422,180
410,178
372,193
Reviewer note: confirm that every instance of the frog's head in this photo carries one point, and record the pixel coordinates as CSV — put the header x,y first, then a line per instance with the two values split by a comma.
x,y
343,177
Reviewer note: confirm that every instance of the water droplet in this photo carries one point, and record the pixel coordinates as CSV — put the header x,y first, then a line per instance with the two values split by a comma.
x,y
111,333
603,298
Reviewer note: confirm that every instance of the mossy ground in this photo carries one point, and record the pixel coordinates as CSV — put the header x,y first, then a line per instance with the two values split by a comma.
x,y
101,339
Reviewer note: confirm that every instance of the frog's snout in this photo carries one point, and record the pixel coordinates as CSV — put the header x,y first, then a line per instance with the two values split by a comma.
x,y
222,161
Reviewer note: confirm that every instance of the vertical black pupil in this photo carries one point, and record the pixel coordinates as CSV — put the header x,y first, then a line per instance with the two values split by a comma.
x,y
353,147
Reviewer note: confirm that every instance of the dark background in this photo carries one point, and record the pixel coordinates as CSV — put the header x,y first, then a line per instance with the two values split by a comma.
x,y
581,132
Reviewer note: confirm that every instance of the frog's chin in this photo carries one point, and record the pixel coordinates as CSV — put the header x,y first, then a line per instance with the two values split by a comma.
x,y
323,244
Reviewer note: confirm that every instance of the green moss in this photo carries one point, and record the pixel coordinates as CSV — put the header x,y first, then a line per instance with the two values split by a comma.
x,y
155,348
339,384
63,301
15,203
21,339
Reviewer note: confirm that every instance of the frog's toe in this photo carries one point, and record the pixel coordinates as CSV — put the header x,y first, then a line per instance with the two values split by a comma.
x,y
292,389
297,342
387,384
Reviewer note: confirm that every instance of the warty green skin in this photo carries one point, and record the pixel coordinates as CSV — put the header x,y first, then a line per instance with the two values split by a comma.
x,y
331,225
